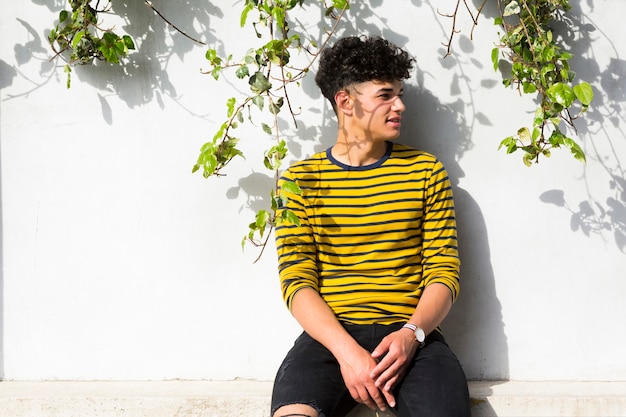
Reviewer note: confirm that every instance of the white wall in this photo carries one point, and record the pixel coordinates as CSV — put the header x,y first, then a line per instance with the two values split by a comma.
x,y
118,263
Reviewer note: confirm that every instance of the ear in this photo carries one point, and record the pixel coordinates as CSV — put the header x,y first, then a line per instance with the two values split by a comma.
x,y
344,102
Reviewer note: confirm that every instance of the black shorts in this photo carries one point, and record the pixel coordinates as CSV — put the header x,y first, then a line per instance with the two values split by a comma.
x,y
434,384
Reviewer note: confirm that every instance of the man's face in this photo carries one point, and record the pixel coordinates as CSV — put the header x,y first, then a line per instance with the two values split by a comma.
x,y
377,109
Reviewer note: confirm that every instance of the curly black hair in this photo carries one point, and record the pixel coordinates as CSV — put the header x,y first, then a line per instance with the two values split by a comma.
x,y
358,59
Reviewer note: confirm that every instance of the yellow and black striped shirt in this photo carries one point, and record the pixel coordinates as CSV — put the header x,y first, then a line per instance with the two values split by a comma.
x,y
371,238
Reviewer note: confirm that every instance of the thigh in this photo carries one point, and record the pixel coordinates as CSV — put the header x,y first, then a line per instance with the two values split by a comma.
x,y
435,384
309,375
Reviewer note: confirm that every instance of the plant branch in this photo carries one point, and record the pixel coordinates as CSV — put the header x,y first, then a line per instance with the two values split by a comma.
x,y
149,4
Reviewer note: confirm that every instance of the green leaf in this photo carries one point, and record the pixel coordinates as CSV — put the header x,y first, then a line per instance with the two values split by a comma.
x,y
528,159
230,105
562,94
291,187
341,4
120,48
259,101
259,83
575,149
261,220
495,52
128,41
276,105
524,134
547,69
557,138
244,13
584,93
556,121
242,72
68,70
210,55
529,87
279,15
511,9
209,165
77,37
535,135
276,51
289,216
52,35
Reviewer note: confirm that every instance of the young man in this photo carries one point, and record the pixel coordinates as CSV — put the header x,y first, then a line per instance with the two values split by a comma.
x,y
373,268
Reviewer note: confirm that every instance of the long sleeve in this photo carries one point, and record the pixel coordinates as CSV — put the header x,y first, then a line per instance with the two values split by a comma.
x,y
296,248
440,246
370,239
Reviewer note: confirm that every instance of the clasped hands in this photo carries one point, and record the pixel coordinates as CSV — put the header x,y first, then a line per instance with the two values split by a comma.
x,y
371,377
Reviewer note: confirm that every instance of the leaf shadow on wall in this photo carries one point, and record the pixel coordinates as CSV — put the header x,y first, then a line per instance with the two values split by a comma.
x,y
603,212
474,328
143,76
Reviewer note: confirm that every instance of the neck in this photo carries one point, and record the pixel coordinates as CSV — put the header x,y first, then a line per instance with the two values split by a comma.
x,y
358,152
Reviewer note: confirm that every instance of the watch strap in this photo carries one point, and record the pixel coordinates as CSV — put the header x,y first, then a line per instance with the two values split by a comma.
x,y
410,326
414,328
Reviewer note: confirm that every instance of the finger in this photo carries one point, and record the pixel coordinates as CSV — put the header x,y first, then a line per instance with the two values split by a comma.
x,y
362,396
382,366
391,400
390,384
381,349
379,369
378,397
383,371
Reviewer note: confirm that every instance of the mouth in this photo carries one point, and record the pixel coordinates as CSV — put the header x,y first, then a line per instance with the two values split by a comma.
x,y
395,121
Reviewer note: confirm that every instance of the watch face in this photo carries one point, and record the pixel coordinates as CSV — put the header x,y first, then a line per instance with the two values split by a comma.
x,y
419,335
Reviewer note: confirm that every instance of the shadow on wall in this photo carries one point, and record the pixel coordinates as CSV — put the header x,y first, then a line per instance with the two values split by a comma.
x,y
7,73
144,76
474,328
603,213
600,130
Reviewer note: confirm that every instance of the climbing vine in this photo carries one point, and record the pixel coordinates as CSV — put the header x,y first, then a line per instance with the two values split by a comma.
x,y
79,38
541,67
537,65
269,63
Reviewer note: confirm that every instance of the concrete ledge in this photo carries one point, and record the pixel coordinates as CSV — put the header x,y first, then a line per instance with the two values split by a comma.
x,y
242,398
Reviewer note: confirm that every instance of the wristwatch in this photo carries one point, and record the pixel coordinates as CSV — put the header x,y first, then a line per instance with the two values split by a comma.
x,y
420,336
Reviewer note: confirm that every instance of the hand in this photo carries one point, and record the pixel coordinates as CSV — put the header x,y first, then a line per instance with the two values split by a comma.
x,y
396,350
356,371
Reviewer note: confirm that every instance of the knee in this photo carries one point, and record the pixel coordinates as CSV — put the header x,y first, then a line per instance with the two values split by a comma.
x,y
296,410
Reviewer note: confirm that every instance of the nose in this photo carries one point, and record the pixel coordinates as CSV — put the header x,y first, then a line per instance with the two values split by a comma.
x,y
398,104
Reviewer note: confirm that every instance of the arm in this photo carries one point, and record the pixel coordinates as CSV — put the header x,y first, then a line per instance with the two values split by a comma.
x,y
356,363
399,347
299,281
440,276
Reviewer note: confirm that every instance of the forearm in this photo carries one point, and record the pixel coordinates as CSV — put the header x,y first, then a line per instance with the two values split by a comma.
x,y
432,308
319,321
